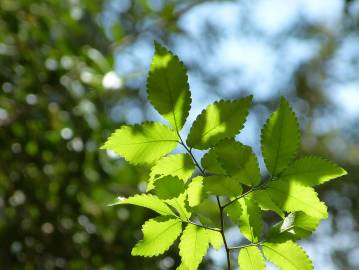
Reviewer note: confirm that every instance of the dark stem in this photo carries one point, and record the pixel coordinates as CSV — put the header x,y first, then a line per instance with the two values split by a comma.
x,y
222,233
260,186
244,246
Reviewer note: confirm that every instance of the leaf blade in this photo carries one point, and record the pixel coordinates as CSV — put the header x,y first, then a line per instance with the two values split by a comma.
x,y
250,220
145,200
159,235
142,144
250,258
180,165
312,171
280,138
167,87
239,161
219,120
293,197
287,256
193,246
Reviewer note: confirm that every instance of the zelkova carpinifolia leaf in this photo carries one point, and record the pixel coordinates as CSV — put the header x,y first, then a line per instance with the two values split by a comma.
x,y
222,119
193,246
287,256
280,138
250,220
295,226
312,171
143,143
167,87
158,235
250,258
145,200
180,165
293,196
239,161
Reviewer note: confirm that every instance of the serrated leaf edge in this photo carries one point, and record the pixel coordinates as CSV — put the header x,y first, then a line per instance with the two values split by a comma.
x,y
183,67
297,245
212,104
297,135
133,162
159,253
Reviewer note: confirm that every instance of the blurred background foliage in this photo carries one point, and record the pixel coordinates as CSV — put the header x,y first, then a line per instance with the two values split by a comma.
x,y
73,71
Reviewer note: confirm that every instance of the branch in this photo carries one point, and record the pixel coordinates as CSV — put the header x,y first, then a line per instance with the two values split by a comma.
x,y
245,194
244,246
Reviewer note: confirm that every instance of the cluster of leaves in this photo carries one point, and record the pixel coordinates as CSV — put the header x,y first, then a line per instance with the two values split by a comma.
x,y
227,175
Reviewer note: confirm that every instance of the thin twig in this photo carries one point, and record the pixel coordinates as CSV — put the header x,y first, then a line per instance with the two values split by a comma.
x,y
244,246
244,194
222,233
202,226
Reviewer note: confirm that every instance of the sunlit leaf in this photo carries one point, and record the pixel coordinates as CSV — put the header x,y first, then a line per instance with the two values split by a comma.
x,y
222,119
169,187
158,235
146,200
264,201
250,220
143,143
292,197
180,204
280,138
193,246
167,87
250,258
215,239
287,256
312,171
180,165
195,191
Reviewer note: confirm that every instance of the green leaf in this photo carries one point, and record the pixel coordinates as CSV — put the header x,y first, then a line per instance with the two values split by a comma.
x,y
304,225
193,246
180,165
219,120
239,161
234,211
295,226
265,202
169,187
195,191
312,171
215,239
250,220
299,224
182,267
287,256
280,138
222,186
292,197
167,87
207,213
210,163
158,235
179,204
250,258
146,200
141,144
